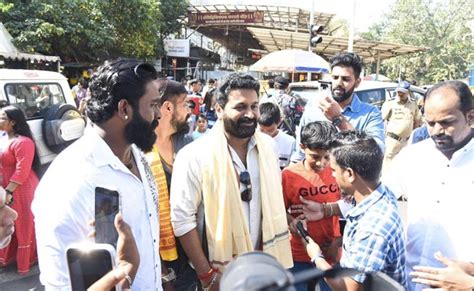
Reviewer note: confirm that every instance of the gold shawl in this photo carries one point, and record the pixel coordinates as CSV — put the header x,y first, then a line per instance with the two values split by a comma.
x,y
168,251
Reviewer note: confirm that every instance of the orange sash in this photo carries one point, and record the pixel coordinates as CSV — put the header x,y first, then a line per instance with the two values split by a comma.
x,y
168,249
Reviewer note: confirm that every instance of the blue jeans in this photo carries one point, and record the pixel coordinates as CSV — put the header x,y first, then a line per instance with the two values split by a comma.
x,y
303,266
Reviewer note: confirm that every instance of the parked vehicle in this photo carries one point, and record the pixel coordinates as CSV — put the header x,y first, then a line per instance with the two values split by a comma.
x,y
373,92
308,91
376,92
48,104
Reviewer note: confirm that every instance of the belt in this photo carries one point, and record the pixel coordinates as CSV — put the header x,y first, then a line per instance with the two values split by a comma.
x,y
396,137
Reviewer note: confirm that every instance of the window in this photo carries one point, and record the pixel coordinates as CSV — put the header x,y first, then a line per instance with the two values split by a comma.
x,y
418,97
375,96
34,99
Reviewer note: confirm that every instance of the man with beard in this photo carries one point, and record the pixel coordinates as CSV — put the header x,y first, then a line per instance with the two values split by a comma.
x,y
172,132
438,207
123,110
226,188
344,108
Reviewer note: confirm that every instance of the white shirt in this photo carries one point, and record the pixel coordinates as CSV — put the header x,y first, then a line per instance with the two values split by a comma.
x,y
440,195
187,211
64,205
4,242
286,146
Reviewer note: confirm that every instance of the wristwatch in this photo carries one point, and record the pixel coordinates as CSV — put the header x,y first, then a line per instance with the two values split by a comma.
x,y
9,192
336,121
169,277
320,255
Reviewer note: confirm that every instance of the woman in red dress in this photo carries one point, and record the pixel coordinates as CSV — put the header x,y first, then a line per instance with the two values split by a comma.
x,y
18,159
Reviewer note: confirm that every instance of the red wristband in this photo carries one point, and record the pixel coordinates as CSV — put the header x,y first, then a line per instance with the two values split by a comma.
x,y
208,275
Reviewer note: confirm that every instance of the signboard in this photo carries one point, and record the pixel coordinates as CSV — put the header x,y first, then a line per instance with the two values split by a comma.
x,y
234,17
177,47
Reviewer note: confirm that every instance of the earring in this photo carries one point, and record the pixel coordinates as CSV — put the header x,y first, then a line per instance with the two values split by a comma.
x,y
126,117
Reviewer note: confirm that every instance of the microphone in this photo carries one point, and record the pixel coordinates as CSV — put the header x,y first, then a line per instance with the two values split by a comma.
x,y
301,231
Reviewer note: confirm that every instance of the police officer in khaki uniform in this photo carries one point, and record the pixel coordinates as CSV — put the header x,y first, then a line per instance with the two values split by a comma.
x,y
401,116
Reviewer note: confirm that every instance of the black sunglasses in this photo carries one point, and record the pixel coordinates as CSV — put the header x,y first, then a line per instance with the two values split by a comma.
x,y
145,69
244,178
141,71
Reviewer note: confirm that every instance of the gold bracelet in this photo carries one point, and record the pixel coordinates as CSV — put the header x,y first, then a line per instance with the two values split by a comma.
x,y
330,208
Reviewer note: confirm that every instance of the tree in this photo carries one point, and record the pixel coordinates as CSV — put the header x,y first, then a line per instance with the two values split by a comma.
x,y
439,26
172,20
70,29
338,27
134,25
92,30
141,25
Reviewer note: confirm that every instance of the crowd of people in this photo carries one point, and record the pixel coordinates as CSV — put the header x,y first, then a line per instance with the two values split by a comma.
x,y
207,174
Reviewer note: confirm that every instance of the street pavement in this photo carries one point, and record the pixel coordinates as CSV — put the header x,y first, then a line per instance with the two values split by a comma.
x,y
11,280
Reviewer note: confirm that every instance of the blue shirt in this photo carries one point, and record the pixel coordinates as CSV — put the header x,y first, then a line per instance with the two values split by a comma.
x,y
362,116
419,134
373,237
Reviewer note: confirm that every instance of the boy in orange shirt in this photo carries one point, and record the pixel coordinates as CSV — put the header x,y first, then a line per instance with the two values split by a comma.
x,y
312,179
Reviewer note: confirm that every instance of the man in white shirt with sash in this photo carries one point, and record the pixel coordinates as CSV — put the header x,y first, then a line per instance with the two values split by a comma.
x,y
226,188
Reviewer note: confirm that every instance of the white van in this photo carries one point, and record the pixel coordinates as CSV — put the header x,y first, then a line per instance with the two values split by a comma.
x,y
49,107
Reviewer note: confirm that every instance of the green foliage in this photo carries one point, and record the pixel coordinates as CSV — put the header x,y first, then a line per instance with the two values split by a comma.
x,y
134,26
70,29
5,7
338,27
440,26
172,20
92,30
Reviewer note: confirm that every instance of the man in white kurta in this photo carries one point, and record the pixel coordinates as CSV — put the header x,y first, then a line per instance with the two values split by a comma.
x,y
436,176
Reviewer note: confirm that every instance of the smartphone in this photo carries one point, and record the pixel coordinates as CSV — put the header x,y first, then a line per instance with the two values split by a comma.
x,y
107,205
326,85
87,263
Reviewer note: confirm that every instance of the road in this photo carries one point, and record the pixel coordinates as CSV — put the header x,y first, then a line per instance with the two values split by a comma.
x,y
11,280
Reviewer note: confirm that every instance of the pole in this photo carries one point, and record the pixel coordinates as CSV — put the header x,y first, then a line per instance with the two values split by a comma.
x,y
350,45
378,67
311,22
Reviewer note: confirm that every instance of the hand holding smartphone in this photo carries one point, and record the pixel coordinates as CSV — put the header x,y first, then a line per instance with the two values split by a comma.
x,y
87,263
107,205
126,261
